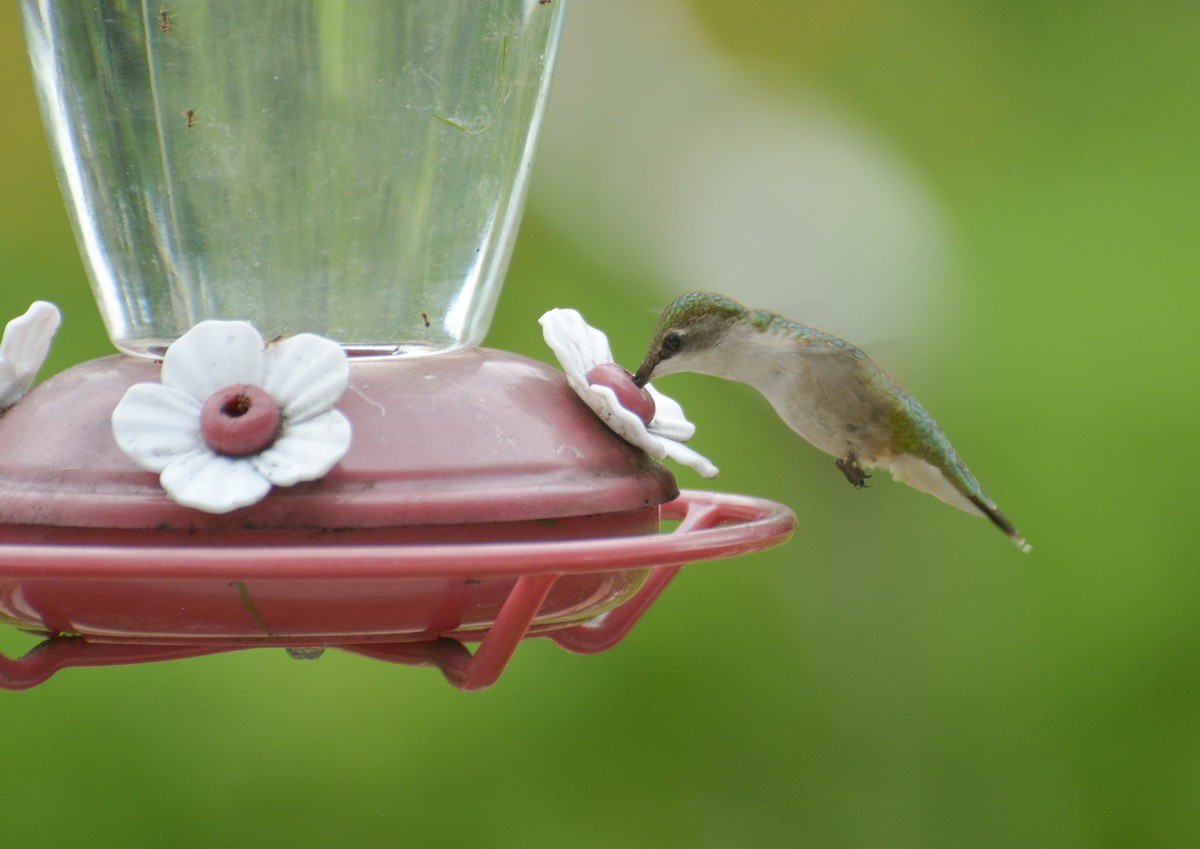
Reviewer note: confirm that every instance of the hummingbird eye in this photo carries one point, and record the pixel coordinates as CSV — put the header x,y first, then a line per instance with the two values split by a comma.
x,y
671,343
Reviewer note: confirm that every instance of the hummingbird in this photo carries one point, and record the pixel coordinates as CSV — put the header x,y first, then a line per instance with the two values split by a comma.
x,y
825,389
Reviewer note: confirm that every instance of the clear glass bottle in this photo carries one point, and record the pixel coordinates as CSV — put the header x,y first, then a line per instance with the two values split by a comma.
x,y
353,168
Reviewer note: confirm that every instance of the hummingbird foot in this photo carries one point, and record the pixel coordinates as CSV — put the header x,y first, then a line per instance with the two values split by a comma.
x,y
853,471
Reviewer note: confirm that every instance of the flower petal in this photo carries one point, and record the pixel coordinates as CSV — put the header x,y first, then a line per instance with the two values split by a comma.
x,y
698,463
213,483
154,424
306,375
213,355
627,424
24,348
669,420
305,450
578,346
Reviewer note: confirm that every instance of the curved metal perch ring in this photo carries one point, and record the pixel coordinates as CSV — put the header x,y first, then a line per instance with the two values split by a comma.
x,y
711,526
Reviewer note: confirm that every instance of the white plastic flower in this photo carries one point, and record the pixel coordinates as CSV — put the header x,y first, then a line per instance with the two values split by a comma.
x,y
580,349
24,348
233,417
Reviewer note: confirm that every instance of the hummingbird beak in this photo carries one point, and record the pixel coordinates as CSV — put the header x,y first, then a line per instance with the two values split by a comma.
x,y
643,373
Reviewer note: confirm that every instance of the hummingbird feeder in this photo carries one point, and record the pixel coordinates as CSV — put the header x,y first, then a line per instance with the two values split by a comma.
x,y
304,172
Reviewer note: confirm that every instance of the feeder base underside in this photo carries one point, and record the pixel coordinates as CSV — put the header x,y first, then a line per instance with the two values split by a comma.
x,y
296,613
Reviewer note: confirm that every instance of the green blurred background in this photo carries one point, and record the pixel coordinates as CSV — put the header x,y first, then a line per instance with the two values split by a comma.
x,y
896,676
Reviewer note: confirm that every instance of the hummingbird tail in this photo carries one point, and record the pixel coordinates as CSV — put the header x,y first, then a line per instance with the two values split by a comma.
x,y
1002,523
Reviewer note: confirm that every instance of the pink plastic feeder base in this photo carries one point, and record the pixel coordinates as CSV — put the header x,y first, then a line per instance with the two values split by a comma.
x,y
585,594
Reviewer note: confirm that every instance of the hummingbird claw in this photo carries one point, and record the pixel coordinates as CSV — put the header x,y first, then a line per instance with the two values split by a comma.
x,y
853,471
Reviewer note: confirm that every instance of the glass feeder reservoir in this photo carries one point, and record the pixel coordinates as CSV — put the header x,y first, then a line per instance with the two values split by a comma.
x,y
355,170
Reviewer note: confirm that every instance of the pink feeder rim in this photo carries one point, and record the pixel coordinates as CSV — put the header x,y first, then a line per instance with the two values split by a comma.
x,y
469,438
712,526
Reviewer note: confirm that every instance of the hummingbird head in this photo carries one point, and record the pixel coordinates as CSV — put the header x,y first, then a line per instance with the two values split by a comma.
x,y
689,332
